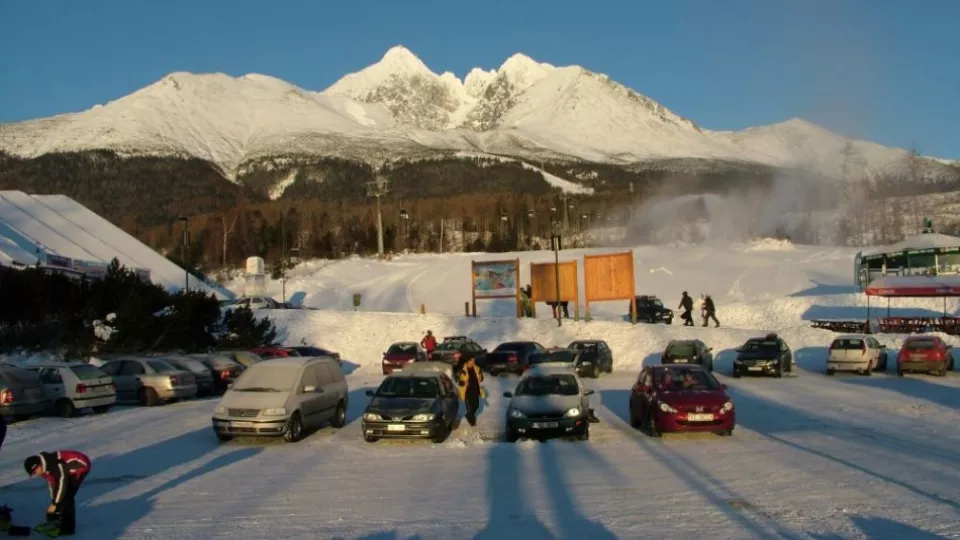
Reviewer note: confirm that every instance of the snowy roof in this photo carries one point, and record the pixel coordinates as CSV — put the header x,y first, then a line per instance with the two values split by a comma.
x,y
921,241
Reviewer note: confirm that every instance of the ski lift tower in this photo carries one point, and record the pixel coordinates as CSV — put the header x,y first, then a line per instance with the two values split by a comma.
x,y
377,189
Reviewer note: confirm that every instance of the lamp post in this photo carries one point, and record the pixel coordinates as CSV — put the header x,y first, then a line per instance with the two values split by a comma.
x,y
405,224
555,240
283,257
183,253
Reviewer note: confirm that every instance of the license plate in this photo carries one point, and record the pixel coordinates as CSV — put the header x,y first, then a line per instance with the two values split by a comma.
x,y
545,425
700,417
918,357
497,366
680,361
755,368
241,424
396,427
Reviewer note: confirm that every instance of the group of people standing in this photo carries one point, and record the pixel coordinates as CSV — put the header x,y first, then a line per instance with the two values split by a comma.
x,y
561,309
708,310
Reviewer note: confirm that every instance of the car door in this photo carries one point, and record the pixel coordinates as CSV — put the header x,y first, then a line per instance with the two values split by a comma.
x,y
311,403
451,403
330,396
53,384
113,370
641,394
786,356
130,375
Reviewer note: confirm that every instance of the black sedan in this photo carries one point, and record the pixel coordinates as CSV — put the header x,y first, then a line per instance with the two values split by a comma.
x,y
768,355
688,351
418,405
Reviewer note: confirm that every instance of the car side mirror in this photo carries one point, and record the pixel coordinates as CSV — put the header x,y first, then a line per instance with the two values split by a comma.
x,y
588,392
508,394
739,349
723,387
369,393
311,389
709,349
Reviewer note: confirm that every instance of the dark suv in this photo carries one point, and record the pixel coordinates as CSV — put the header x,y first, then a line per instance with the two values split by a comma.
x,y
688,351
455,349
651,310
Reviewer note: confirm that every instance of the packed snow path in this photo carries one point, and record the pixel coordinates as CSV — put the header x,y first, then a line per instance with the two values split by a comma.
x,y
813,457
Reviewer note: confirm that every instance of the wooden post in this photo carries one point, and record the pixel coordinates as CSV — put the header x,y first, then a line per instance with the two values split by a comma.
x,y
473,286
473,313
466,309
533,309
517,296
423,309
586,291
587,315
633,310
576,280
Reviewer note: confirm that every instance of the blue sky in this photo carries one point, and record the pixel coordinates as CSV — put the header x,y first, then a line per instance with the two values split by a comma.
x,y
883,70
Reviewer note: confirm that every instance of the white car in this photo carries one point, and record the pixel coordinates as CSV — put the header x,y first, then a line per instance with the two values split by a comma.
x,y
856,353
75,386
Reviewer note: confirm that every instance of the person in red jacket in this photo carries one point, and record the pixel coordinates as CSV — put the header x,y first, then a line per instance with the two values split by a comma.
x,y
64,471
429,343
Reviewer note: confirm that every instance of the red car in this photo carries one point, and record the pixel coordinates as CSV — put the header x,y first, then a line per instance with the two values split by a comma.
x,y
274,352
675,398
925,353
400,354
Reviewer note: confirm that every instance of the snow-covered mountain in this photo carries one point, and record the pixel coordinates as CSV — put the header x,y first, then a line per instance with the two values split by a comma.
x,y
398,107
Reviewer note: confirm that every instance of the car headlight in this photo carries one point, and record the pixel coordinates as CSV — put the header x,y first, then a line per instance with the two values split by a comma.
x,y
277,411
513,413
372,417
220,409
573,413
423,417
666,408
727,407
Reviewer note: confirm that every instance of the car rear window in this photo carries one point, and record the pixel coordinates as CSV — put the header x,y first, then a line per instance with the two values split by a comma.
x,y
586,347
85,373
450,346
681,350
160,366
919,344
848,344
402,348
553,356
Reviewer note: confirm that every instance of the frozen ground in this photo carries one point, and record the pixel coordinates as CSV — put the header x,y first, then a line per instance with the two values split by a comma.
x,y
814,457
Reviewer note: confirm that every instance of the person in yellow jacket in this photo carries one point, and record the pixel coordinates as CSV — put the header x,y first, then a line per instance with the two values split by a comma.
x,y
469,380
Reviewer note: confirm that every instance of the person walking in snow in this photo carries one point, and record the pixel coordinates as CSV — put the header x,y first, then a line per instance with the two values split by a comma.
x,y
709,311
64,471
470,378
429,343
686,304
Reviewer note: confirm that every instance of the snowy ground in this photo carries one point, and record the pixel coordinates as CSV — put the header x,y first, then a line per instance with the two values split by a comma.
x,y
814,457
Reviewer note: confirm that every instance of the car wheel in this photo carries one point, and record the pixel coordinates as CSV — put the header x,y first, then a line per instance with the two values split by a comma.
x,y
370,439
652,426
65,408
149,397
899,372
224,438
103,409
736,373
340,416
634,423
830,372
596,372
779,372
294,430
726,432
868,372
510,437
585,435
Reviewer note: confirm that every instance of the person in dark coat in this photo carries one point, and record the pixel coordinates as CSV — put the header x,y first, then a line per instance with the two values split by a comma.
x,y
686,304
470,378
64,471
709,311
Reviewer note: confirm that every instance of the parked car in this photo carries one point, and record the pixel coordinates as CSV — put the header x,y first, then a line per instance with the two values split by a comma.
x,y
768,355
22,394
401,354
650,309
206,384
419,405
283,398
570,359
267,353
688,351
438,367
315,351
928,354
255,302
245,358
510,357
595,357
548,402
455,349
149,381
675,398
225,370
75,386
858,353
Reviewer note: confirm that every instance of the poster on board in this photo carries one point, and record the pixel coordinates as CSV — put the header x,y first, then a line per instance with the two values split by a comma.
x,y
495,279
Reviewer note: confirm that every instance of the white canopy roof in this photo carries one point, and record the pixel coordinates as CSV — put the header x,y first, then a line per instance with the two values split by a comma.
x,y
920,241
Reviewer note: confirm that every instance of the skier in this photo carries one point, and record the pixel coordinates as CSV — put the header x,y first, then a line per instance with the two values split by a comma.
x,y
686,304
429,343
709,311
470,379
64,471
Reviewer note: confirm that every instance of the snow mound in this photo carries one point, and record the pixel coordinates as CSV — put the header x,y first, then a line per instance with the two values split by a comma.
x,y
771,244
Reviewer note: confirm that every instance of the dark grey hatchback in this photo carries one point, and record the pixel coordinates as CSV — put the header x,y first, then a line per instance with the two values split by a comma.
x,y
417,405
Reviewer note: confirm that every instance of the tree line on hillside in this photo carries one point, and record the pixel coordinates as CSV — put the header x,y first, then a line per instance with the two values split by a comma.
x,y
119,313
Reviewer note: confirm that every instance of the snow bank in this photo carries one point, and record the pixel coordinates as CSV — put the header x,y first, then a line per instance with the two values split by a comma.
x,y
770,244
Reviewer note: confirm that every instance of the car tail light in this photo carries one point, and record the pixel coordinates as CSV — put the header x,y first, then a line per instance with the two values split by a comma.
x,y
456,356
512,358
225,374
6,396
81,389
174,379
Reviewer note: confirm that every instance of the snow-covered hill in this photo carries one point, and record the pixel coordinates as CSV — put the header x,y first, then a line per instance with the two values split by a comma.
x,y
398,107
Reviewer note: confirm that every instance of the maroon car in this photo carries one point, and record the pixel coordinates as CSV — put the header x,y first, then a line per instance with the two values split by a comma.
x,y
400,354
928,354
675,398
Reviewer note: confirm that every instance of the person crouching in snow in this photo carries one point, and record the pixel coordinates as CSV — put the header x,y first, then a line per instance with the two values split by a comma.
x,y
64,471
469,381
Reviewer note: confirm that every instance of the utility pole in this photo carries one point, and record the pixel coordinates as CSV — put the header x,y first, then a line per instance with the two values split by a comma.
x,y
183,253
283,256
566,218
378,188
555,240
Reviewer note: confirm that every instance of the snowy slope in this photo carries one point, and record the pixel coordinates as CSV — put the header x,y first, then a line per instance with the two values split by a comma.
x,y
398,107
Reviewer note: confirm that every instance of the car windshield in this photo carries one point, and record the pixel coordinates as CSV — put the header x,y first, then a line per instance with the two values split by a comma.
x,y
268,377
560,385
681,350
847,344
87,372
554,356
761,346
402,348
919,344
587,347
680,379
161,366
409,387
450,346
194,366
509,347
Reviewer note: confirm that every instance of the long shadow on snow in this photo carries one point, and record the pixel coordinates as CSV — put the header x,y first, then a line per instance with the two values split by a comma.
x,y
878,528
510,516
771,419
392,535
120,515
568,516
757,523
826,289
912,387
357,403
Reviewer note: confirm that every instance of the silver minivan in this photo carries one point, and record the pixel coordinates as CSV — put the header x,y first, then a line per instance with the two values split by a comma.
x,y
284,397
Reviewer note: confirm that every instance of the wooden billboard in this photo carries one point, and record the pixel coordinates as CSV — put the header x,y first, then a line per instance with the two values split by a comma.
x,y
543,282
608,277
495,279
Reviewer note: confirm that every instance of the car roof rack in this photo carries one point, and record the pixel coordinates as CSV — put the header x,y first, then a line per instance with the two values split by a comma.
x,y
456,338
